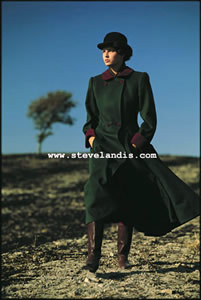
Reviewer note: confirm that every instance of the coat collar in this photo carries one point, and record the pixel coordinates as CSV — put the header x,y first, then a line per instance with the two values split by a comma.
x,y
124,72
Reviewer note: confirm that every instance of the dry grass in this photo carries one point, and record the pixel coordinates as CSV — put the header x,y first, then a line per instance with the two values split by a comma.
x,y
44,239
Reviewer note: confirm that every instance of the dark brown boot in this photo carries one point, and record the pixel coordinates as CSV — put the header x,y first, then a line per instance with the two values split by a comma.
x,y
123,244
95,237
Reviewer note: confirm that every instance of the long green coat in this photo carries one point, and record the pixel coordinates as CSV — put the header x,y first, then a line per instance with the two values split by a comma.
x,y
154,200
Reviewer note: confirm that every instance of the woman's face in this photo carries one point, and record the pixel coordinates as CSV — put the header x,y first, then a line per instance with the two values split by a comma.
x,y
111,58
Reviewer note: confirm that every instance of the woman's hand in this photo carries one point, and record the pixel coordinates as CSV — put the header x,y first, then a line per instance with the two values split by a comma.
x,y
91,140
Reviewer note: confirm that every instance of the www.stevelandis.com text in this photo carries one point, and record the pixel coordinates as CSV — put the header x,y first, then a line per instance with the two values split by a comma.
x,y
101,154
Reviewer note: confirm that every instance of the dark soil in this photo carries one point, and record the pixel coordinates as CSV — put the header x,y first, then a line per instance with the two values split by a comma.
x,y
44,238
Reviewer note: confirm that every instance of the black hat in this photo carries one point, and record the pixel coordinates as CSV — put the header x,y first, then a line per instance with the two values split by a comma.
x,y
116,40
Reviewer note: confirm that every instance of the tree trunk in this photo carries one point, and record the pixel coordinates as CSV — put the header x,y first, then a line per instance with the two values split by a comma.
x,y
39,148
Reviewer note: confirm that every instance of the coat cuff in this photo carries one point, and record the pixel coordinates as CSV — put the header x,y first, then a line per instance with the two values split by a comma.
x,y
90,132
139,140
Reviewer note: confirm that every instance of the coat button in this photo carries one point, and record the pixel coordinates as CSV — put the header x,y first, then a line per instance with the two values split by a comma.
x,y
118,124
108,124
105,83
121,81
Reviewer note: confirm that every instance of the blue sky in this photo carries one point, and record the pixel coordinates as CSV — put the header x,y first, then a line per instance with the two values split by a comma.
x,y
52,45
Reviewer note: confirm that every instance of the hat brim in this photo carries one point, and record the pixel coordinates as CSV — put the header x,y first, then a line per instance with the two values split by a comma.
x,y
110,44
103,45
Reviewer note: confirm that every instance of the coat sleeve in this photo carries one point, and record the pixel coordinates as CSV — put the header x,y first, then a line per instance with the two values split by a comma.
x,y
147,112
92,114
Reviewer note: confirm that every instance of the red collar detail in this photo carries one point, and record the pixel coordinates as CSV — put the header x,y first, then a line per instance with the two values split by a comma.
x,y
124,73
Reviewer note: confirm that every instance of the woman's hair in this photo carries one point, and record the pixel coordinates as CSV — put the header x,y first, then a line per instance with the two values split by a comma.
x,y
127,52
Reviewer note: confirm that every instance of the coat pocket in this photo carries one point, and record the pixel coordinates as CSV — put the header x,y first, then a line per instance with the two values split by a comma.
x,y
96,146
129,146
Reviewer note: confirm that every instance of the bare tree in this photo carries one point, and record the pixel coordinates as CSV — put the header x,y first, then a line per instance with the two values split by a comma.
x,y
50,109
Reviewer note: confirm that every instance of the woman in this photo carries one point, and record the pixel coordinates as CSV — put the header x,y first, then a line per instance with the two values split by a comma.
x,y
128,182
